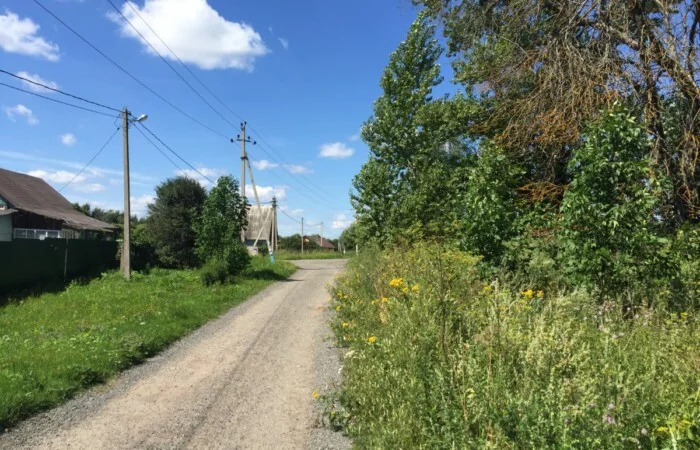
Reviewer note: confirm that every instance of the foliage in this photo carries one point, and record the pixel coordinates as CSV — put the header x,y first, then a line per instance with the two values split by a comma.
x,y
609,212
440,358
90,332
293,243
143,253
178,204
350,238
413,139
545,69
290,255
223,218
487,207
214,271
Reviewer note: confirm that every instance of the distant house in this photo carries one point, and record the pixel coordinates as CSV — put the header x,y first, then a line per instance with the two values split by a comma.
x,y
325,244
31,209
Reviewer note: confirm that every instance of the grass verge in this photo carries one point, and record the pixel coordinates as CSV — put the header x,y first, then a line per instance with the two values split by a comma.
x,y
56,344
313,254
441,358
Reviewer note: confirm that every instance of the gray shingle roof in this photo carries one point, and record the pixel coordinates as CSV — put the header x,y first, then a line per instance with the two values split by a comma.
x,y
34,195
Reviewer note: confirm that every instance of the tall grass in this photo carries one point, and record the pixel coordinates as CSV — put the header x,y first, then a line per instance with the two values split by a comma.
x,y
440,358
55,344
311,254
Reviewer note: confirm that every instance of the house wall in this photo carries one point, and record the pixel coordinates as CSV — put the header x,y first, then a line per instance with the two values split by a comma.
x,y
6,228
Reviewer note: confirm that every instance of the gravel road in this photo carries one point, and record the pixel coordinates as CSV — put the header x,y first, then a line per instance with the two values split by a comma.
x,y
244,380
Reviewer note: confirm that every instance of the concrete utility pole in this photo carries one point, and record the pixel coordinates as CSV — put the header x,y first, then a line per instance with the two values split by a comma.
x,y
321,234
126,242
244,156
274,224
302,235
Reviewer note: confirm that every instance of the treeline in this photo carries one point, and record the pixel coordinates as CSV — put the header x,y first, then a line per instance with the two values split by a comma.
x,y
567,157
188,228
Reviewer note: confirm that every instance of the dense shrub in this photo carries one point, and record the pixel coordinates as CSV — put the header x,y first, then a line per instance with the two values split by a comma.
x,y
214,271
440,358
236,258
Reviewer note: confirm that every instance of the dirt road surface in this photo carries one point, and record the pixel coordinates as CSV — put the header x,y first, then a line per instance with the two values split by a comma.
x,y
244,380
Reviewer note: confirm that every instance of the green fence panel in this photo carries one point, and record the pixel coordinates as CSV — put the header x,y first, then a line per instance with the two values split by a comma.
x,y
27,262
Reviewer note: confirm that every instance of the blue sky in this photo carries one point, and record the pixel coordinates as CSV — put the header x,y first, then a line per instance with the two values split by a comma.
x,y
303,74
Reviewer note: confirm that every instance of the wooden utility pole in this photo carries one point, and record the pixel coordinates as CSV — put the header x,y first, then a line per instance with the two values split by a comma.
x,y
126,246
244,156
302,235
321,234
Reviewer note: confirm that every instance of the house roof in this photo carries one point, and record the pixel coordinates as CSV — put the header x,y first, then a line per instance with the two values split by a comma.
x,y
34,195
323,243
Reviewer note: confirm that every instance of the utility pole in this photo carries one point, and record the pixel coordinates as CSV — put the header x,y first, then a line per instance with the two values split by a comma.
x,y
244,156
302,235
274,224
126,246
243,139
321,234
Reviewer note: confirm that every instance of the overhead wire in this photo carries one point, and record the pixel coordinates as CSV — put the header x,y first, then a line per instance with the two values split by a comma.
x,y
158,148
129,74
285,213
57,101
91,160
50,88
175,153
284,161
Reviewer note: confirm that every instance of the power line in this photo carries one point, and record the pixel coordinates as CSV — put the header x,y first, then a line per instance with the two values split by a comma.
x,y
56,101
283,212
57,90
91,160
129,74
158,148
135,10
175,153
165,60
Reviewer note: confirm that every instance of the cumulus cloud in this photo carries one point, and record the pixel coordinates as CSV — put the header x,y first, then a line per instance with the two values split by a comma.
x,y
68,139
200,174
265,193
57,176
195,31
36,78
22,111
292,212
336,150
20,36
341,221
139,205
264,164
297,169
88,187
284,42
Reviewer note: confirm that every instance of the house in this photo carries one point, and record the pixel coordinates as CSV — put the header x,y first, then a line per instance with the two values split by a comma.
x,y
31,209
324,244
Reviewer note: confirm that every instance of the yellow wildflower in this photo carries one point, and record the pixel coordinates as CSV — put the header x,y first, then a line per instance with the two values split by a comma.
x,y
487,289
415,288
528,293
396,282
337,308
662,430
373,302
384,300
540,294
345,324
404,289
372,339
316,395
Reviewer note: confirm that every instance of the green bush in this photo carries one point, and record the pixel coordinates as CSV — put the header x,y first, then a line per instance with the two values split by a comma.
x,y
237,258
214,271
439,358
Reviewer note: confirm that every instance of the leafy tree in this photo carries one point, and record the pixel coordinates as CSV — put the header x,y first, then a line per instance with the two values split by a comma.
x,y
178,203
349,237
400,193
219,227
609,212
546,68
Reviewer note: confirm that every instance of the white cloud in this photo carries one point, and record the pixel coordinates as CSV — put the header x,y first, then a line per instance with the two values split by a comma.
x,y
284,42
264,164
38,79
195,32
22,111
336,150
355,137
265,193
139,205
68,139
297,169
200,174
20,36
292,212
341,221
57,176
88,187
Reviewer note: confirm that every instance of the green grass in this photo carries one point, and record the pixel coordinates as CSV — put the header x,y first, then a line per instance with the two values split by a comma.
x,y
290,255
442,358
56,344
